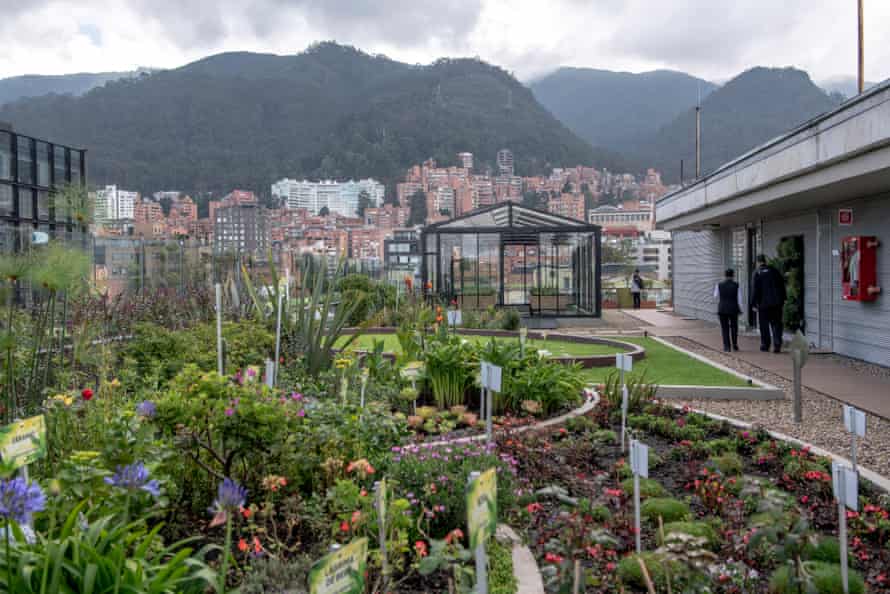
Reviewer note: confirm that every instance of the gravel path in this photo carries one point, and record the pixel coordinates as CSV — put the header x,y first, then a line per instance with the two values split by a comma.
x,y
822,416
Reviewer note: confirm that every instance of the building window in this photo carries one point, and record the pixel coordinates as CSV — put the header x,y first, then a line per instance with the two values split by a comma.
x,y
43,205
5,155
43,164
6,206
26,203
76,159
25,169
60,166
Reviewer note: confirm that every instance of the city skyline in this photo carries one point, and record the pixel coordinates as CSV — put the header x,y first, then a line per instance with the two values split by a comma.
x,y
714,40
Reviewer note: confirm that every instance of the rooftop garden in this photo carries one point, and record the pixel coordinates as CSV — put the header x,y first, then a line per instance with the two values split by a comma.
x,y
145,452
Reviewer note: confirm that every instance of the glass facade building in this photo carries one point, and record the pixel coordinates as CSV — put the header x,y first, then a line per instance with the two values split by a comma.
x,y
508,255
30,171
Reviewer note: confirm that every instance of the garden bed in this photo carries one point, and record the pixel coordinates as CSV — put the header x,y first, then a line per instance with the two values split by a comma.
x,y
587,351
755,505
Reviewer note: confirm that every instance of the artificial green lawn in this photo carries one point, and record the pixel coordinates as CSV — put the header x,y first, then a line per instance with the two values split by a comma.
x,y
667,366
556,347
663,365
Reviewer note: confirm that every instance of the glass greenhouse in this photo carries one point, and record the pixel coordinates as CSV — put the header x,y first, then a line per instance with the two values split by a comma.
x,y
509,255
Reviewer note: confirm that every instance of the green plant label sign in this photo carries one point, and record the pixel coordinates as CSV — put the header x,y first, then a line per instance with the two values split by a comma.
x,y
482,508
23,442
341,572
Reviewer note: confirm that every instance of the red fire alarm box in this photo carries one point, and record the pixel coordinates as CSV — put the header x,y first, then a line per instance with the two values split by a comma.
x,y
859,268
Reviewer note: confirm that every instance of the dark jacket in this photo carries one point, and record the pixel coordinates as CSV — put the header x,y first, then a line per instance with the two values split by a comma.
x,y
729,298
769,288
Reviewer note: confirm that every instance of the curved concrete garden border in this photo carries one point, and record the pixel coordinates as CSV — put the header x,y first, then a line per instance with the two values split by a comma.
x,y
525,568
591,400
637,352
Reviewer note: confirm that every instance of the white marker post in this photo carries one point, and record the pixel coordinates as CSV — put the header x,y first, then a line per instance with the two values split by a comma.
x,y
845,483
270,373
854,421
277,340
455,318
490,376
219,345
364,386
639,465
624,363
380,492
523,336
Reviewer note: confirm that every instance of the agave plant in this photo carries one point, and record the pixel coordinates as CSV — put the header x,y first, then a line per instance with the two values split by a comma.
x,y
312,319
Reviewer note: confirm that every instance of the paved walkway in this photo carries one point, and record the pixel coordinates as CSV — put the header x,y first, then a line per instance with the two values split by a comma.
x,y
823,373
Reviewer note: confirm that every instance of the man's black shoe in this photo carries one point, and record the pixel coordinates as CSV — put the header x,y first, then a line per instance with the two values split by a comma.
x,y
735,348
777,350
764,349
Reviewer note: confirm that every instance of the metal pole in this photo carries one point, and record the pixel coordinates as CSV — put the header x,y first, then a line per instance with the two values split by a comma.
x,y
842,536
798,399
861,47
853,457
637,513
488,406
381,521
278,339
481,561
219,346
698,141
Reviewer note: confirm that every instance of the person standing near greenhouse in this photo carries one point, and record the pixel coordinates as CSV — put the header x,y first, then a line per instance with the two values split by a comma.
x,y
636,288
769,298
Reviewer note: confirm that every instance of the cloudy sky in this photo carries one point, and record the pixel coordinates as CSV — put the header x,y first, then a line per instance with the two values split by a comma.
x,y
715,39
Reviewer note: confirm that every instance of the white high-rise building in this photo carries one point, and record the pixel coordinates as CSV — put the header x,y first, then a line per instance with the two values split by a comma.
x,y
505,162
466,160
113,204
339,197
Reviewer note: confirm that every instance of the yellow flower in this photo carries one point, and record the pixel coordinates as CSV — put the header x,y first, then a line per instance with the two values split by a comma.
x,y
115,383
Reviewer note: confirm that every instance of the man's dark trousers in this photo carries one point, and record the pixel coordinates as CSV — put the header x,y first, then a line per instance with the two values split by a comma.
x,y
729,326
636,300
770,321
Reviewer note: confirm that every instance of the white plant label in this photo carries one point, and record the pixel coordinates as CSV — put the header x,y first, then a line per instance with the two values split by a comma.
x,y
854,420
624,362
639,459
454,318
845,484
490,376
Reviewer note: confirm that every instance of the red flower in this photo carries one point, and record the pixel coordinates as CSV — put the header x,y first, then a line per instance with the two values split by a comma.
x,y
456,534
257,547
245,512
344,527
421,549
553,558
610,566
533,508
87,394
242,545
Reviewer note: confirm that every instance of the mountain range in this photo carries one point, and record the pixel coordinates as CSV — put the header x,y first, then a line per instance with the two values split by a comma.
x,y
244,119
35,85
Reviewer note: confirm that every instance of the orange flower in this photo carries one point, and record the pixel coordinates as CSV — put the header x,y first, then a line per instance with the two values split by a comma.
x,y
242,545
257,547
245,511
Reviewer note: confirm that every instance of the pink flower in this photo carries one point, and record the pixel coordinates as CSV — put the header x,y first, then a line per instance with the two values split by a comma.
x,y
230,412
302,413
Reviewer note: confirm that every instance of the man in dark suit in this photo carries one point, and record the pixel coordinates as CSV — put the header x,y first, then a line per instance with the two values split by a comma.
x,y
729,306
768,296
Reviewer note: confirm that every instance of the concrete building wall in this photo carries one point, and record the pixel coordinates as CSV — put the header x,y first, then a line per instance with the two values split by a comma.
x,y
862,329
698,262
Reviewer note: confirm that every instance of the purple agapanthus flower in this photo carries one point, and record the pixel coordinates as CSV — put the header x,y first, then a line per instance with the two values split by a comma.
x,y
147,409
18,500
230,497
134,477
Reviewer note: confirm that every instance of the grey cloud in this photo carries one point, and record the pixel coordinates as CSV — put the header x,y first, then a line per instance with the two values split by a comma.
x,y
205,22
692,33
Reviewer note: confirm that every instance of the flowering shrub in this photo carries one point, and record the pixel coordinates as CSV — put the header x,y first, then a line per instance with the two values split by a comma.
x,y
433,479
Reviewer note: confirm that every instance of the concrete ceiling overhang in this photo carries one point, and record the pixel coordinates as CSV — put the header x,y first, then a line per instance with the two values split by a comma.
x,y
840,156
